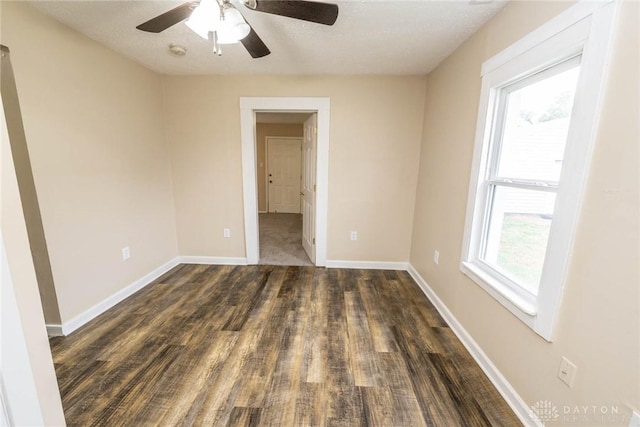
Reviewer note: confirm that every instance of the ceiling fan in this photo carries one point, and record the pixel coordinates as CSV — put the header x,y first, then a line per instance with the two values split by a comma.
x,y
222,23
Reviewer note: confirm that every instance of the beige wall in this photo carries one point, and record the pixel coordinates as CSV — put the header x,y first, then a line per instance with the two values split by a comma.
x,y
94,126
599,322
376,125
262,131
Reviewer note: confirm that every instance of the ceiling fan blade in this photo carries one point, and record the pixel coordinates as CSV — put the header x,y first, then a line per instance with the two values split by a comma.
x,y
320,13
167,19
254,45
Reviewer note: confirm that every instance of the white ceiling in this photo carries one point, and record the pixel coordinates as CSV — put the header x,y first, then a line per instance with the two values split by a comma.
x,y
401,37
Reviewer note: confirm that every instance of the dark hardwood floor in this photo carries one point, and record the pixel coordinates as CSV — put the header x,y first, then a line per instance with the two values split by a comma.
x,y
270,345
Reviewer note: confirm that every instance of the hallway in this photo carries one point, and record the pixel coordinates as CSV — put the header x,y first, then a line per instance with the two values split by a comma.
x,y
281,240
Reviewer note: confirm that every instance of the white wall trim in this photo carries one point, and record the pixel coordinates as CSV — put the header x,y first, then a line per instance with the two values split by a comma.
x,y
368,265
248,108
575,13
503,386
107,303
54,330
635,419
212,260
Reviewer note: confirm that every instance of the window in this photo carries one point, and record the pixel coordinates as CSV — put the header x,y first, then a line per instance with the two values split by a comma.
x,y
536,124
531,126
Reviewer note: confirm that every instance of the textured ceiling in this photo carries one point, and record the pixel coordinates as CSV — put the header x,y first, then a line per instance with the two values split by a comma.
x,y
369,37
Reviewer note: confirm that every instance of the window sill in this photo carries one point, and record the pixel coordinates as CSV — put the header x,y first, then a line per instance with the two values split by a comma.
x,y
522,308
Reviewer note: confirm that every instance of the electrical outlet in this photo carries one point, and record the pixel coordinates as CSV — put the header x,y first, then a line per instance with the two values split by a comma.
x,y
567,372
354,235
436,256
227,233
126,254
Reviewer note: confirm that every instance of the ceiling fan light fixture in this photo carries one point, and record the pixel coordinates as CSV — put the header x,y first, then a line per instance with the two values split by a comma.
x,y
251,4
207,19
232,34
204,18
233,27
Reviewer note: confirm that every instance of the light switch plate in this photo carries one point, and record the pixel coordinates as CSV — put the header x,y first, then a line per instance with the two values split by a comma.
x,y
567,372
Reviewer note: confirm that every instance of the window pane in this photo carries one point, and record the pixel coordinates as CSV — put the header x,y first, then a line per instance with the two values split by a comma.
x,y
517,233
536,126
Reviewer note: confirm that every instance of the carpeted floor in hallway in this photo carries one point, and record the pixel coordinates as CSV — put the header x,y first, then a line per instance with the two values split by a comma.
x,y
281,239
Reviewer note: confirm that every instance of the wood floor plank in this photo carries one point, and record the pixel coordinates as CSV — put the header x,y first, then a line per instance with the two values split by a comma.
x,y
345,405
310,405
274,346
245,302
403,308
131,398
396,378
431,392
381,334
116,381
364,362
192,392
463,369
280,403
249,417
465,402
190,374
425,307
217,406
261,312
263,363
315,357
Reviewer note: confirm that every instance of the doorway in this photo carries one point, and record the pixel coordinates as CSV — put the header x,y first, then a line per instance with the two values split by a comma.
x,y
280,171
285,206
317,200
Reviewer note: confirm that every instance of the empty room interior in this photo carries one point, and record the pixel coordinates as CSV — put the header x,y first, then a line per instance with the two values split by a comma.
x,y
386,213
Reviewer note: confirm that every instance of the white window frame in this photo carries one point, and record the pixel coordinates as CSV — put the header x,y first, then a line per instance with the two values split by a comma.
x,y
585,30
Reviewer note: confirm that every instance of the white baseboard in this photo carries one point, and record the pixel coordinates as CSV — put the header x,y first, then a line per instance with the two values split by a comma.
x,y
367,265
503,386
635,419
54,330
107,303
213,260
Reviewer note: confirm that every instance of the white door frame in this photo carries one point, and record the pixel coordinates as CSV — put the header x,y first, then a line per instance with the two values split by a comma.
x,y
248,108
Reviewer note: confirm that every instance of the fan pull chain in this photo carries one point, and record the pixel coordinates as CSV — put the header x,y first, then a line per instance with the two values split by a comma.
x,y
217,50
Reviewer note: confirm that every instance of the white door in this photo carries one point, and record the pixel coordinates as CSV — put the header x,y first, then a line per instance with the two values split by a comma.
x,y
309,147
283,174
